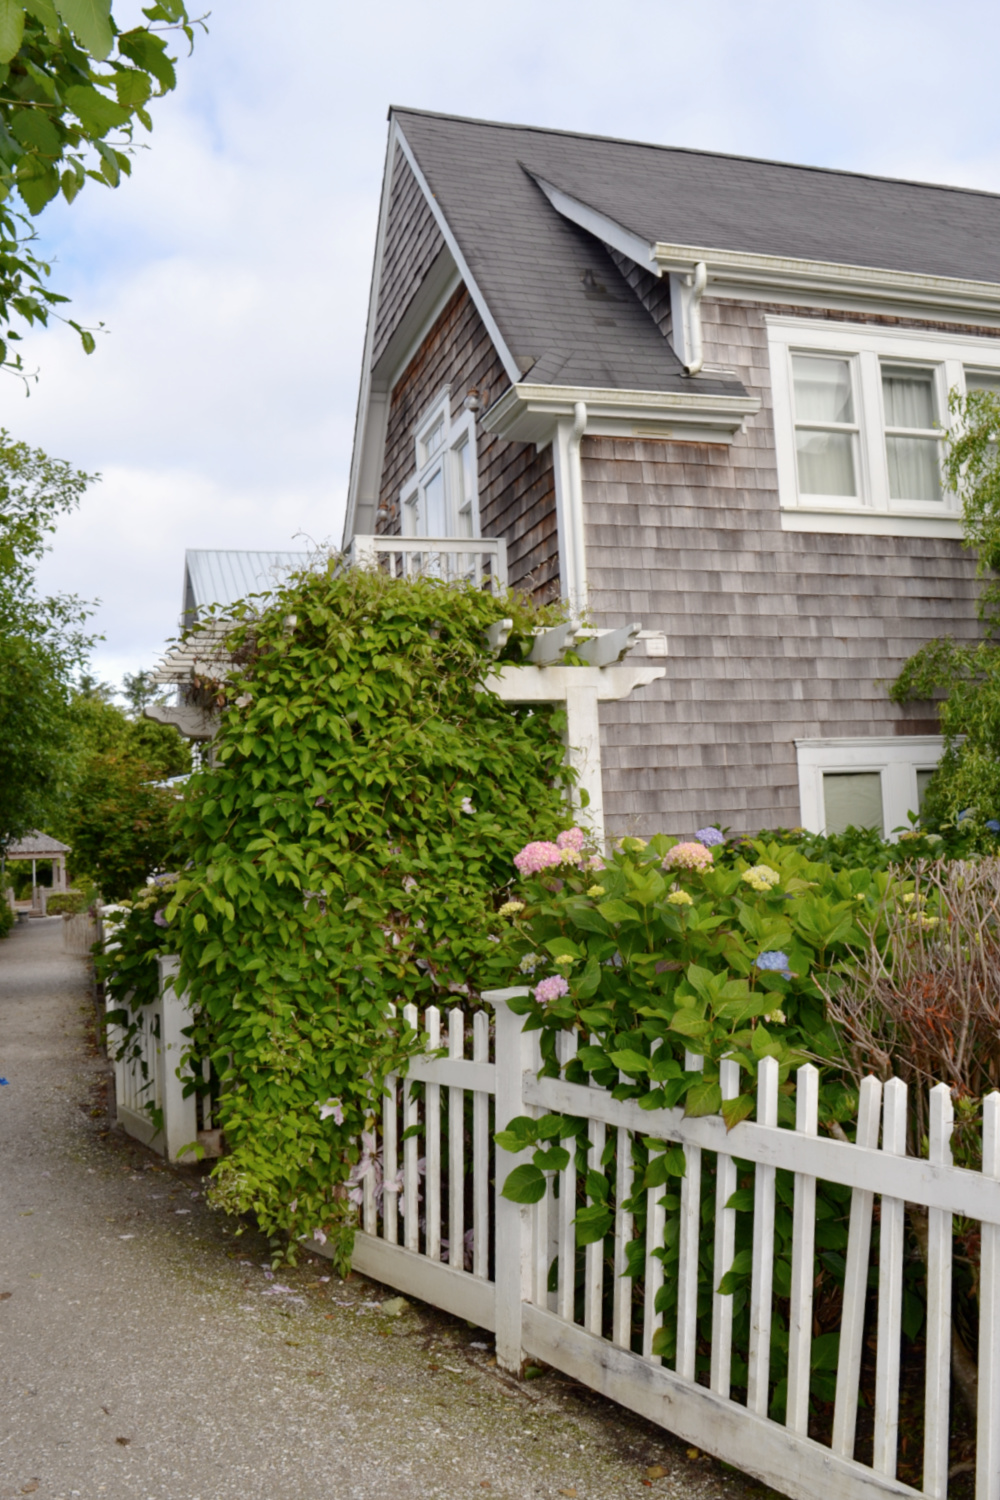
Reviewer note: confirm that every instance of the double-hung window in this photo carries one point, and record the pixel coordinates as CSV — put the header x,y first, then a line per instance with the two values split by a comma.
x,y
860,423
875,782
441,499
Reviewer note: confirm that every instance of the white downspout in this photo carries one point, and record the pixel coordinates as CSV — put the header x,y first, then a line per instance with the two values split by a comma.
x,y
577,539
697,284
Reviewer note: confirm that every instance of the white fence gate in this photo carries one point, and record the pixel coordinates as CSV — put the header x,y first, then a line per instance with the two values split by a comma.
x,y
149,1094
413,1240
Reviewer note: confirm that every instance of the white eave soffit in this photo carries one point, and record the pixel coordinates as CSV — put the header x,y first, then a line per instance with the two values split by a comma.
x,y
741,273
529,413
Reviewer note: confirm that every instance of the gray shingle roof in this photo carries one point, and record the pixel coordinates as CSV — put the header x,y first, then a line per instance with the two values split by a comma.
x,y
530,263
564,310
36,845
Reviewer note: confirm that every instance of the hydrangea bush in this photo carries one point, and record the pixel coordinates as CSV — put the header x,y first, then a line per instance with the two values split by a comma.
x,y
680,947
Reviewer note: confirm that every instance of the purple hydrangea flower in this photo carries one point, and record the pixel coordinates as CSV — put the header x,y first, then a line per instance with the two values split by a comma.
x,y
551,989
710,836
774,962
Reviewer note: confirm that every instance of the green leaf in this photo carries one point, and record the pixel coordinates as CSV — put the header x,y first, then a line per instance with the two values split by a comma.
x,y
619,911
597,1186
690,1023
629,1061
11,29
44,11
704,1099
96,112
736,1110
133,88
35,131
555,1159
742,1200
149,53
90,23
592,1223
37,183
671,1163
526,1184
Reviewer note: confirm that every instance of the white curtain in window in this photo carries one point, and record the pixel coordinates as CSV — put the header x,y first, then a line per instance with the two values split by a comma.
x,y
914,463
852,799
823,395
822,389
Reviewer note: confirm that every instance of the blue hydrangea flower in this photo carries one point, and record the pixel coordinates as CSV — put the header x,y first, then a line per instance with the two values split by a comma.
x,y
3,1080
965,813
710,836
993,825
774,962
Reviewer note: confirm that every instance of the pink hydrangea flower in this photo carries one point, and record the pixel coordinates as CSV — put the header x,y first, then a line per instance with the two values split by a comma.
x,y
690,856
571,838
538,856
551,989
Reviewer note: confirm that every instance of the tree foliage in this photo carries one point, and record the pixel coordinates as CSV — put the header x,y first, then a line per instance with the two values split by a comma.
x,y
967,783
343,857
73,88
42,639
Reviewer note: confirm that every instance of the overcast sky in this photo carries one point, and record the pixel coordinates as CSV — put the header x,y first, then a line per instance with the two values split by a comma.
x,y
232,271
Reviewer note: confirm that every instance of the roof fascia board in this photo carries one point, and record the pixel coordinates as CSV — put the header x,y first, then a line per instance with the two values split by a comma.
x,y
499,343
739,271
427,305
603,228
364,438
531,413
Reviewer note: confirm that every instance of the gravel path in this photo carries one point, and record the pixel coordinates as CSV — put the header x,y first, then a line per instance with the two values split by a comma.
x,y
149,1354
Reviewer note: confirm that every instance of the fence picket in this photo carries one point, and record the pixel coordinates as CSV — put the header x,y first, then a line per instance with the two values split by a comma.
x,y
594,1258
687,1263
480,1153
762,1272
803,1260
456,1148
411,1175
432,1142
621,1331
859,1242
890,1289
939,1254
390,1164
988,1414
725,1247
567,1205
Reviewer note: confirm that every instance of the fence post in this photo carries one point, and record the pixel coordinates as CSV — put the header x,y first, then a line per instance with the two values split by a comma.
x,y
512,1268
180,1115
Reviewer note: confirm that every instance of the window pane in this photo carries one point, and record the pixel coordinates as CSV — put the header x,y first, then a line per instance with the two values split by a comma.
x,y
914,468
923,778
826,463
852,799
909,397
822,391
434,438
977,381
435,522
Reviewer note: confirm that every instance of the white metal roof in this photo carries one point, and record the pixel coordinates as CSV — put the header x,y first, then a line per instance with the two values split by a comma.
x,y
223,577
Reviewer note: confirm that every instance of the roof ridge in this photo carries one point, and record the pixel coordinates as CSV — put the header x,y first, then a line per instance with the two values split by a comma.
x,y
763,161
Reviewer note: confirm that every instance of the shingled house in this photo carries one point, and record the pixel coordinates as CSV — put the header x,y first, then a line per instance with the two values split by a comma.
x,y
706,393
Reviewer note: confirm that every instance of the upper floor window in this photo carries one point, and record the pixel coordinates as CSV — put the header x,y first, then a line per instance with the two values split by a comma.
x,y
860,417
441,500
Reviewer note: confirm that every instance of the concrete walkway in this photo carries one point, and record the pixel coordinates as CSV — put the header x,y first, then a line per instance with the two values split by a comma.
x,y
147,1354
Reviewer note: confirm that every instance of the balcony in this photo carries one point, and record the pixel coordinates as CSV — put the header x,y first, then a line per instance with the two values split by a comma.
x,y
481,561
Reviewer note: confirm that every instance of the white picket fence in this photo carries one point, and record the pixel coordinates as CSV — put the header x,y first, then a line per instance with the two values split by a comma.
x,y
402,1238
148,1092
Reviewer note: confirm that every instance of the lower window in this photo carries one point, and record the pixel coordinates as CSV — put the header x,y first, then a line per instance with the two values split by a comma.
x,y
864,783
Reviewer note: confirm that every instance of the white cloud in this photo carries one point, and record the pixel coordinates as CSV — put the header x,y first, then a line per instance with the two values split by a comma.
x,y
233,269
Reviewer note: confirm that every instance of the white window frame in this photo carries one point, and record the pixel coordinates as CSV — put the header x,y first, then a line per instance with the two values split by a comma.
x,y
897,759
949,355
456,433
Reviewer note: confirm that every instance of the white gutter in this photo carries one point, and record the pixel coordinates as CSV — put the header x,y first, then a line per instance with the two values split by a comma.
x,y
569,508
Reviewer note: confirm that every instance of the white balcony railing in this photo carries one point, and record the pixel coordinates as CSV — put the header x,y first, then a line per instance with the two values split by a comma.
x,y
478,560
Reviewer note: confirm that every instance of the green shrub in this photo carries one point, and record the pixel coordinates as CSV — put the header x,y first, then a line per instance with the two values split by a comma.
x,y
66,904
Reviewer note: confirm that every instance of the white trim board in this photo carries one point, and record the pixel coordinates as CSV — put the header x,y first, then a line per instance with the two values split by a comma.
x,y
530,413
896,758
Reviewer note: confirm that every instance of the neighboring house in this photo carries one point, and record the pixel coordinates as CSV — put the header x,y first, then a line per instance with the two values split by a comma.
x,y
702,392
212,578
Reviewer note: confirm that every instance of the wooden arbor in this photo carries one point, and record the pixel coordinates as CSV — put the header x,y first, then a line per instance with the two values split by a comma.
x,y
39,846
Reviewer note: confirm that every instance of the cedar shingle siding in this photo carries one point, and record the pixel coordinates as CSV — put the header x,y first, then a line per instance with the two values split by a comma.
x,y
774,636
516,484
412,244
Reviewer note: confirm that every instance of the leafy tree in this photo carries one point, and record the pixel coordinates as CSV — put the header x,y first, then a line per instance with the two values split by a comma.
x,y
42,640
73,87
967,782
118,817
